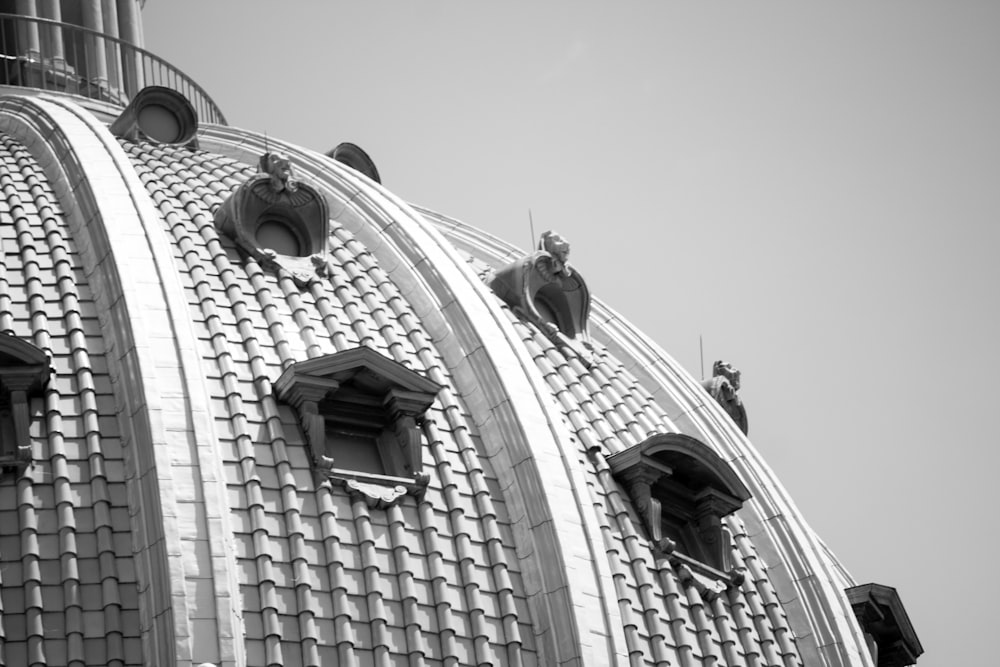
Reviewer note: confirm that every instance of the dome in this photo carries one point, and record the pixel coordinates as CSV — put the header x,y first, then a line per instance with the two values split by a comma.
x,y
288,418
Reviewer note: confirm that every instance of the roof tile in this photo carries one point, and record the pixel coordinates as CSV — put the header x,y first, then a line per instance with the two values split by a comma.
x,y
47,266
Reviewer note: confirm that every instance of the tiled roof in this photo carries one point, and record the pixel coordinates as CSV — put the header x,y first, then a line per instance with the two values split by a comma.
x,y
69,589
669,609
324,578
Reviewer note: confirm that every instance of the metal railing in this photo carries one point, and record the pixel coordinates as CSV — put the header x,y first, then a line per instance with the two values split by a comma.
x,y
61,57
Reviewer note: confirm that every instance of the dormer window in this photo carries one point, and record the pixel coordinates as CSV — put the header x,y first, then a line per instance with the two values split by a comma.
x,y
279,220
354,157
24,372
159,115
275,232
361,415
682,490
544,289
891,638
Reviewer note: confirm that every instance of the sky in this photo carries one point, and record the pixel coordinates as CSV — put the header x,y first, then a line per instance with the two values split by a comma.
x,y
809,188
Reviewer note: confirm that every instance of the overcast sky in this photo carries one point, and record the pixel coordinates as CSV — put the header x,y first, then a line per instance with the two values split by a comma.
x,y
814,189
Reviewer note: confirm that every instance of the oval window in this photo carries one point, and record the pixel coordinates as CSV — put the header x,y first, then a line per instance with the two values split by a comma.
x,y
276,235
159,123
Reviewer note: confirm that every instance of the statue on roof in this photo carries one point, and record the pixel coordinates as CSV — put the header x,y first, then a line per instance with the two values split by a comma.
x,y
723,387
278,167
552,258
544,289
279,220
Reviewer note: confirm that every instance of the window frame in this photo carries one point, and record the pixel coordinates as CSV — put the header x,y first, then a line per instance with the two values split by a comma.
x,y
396,400
674,478
889,633
274,195
24,374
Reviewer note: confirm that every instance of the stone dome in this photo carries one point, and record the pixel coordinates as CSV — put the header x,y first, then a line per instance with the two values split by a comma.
x,y
258,410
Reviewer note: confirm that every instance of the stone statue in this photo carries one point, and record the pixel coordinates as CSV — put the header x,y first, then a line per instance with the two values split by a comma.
x,y
279,169
722,386
552,258
543,289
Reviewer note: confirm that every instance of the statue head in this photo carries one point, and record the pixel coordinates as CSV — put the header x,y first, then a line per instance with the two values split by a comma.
x,y
728,371
554,244
558,248
278,167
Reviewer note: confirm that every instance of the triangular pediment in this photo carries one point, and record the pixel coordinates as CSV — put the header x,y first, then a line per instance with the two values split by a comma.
x,y
367,370
358,371
358,401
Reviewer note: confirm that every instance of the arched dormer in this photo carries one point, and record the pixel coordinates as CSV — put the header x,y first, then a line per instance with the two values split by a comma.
x,y
682,489
24,372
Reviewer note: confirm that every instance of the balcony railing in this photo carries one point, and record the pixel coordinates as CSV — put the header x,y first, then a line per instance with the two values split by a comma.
x,y
46,54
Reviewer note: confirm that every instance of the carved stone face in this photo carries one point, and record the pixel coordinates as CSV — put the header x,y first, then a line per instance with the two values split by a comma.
x,y
280,167
728,371
556,246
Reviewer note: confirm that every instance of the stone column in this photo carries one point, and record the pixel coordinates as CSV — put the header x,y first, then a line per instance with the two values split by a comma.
x,y
54,46
96,66
27,31
129,21
130,30
109,12
26,8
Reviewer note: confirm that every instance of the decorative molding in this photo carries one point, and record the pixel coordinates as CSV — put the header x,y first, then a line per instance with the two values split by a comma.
x,y
544,289
375,495
639,480
273,208
24,373
159,115
368,393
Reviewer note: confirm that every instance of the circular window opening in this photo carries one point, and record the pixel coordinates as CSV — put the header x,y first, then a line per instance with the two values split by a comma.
x,y
159,123
276,235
